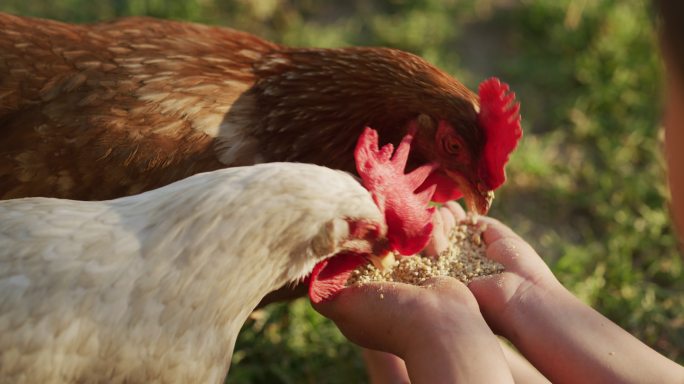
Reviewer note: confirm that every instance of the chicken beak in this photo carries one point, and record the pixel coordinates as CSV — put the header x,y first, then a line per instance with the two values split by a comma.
x,y
478,198
382,263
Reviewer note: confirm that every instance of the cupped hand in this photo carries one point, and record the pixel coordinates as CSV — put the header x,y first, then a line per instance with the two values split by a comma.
x,y
444,219
435,328
523,266
399,318
498,294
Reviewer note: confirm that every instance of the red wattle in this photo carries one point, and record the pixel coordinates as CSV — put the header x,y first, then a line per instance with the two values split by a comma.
x,y
330,275
446,190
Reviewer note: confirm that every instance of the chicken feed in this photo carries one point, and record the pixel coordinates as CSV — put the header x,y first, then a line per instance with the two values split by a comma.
x,y
464,259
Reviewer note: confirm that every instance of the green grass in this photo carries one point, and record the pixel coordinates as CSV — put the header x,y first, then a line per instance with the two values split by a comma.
x,y
586,186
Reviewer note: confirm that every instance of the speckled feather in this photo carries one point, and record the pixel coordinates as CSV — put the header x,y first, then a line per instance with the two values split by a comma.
x,y
109,110
154,288
113,109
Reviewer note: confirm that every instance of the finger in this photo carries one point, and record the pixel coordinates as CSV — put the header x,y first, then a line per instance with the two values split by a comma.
x,y
353,302
385,367
449,288
506,251
445,284
506,247
484,284
367,314
495,230
515,254
438,240
448,219
456,209
492,292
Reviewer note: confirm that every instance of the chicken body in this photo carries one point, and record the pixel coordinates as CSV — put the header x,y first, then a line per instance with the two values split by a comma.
x,y
154,101
154,288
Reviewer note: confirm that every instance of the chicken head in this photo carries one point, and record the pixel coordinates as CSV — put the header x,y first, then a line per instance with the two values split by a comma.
x,y
472,159
407,213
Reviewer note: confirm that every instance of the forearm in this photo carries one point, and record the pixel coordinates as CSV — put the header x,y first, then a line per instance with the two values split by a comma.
x,y
469,354
570,342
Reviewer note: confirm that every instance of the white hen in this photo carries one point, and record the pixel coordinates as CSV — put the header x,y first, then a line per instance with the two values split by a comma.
x,y
155,287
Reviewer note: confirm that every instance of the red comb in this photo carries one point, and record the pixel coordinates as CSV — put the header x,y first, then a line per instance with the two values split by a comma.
x,y
409,220
500,119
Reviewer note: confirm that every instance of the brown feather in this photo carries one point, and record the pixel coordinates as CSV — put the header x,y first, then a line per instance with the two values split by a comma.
x,y
107,110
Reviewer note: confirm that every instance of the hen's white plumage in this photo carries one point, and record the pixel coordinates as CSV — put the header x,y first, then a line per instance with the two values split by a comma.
x,y
155,287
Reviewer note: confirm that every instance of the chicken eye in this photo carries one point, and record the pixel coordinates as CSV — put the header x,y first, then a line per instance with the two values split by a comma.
x,y
452,147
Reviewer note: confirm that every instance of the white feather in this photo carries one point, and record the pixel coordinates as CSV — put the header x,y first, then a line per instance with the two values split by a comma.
x,y
155,287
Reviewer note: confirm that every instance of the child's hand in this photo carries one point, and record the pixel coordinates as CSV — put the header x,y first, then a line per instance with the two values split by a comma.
x,y
399,318
444,219
436,328
524,269
527,305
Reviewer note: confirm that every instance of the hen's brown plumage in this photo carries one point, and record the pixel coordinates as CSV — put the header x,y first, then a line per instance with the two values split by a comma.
x,y
107,110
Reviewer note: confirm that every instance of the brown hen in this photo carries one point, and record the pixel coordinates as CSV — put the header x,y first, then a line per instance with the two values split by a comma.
x,y
101,111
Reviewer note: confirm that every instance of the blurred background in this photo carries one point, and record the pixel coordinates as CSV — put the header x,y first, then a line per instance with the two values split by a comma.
x,y
586,187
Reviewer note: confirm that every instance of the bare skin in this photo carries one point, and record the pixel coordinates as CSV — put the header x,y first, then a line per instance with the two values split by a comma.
x,y
437,329
523,372
385,368
674,140
528,306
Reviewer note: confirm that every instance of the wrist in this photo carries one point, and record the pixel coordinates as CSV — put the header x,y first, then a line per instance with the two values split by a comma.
x,y
462,350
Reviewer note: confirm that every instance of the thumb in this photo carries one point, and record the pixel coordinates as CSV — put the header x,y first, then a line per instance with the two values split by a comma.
x,y
438,240
370,315
358,302
506,247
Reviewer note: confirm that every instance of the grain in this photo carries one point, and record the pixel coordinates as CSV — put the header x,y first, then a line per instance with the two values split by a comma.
x,y
463,259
